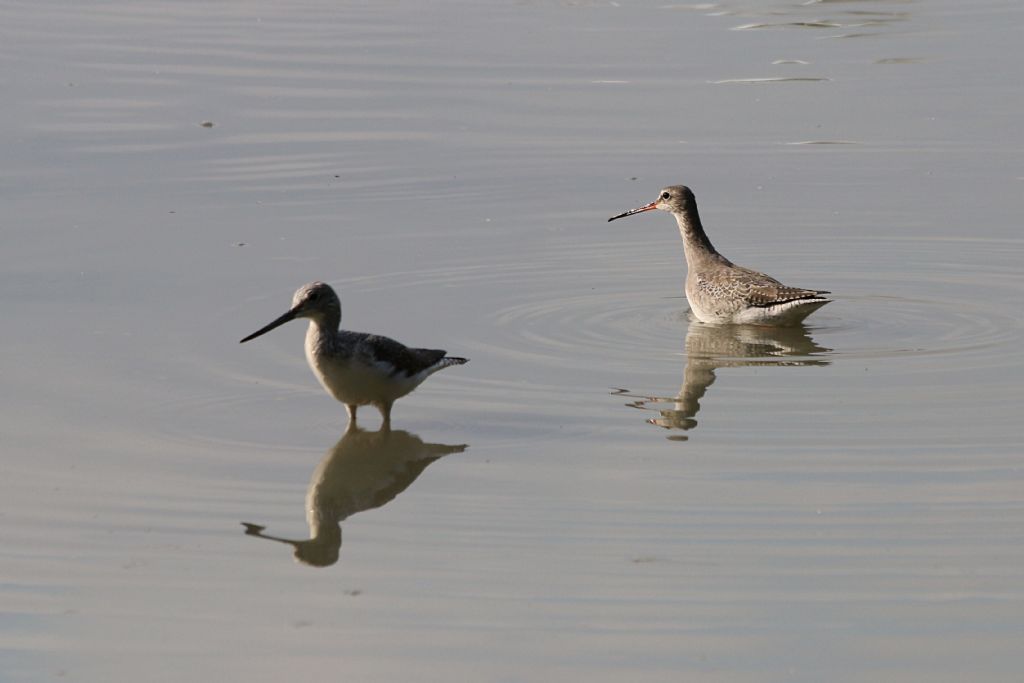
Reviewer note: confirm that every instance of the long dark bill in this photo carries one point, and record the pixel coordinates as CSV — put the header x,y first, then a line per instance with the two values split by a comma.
x,y
648,207
257,531
290,315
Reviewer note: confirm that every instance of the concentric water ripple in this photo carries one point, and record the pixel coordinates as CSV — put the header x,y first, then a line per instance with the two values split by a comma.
x,y
933,306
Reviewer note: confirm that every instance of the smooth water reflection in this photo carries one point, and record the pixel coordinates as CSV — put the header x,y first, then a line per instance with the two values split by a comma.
x,y
450,164
710,347
363,471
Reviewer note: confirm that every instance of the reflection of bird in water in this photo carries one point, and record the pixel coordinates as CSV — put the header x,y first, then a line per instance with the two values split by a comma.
x,y
364,470
709,347
354,367
718,290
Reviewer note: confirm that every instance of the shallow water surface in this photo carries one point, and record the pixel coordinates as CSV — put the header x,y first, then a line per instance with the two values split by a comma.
x,y
608,490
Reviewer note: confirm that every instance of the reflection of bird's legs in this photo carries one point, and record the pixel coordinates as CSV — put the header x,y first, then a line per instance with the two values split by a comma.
x,y
351,408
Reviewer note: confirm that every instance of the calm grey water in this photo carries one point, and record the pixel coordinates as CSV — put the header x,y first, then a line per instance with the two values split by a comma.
x,y
607,491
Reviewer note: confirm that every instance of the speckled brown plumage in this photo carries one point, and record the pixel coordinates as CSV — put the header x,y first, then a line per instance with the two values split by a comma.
x,y
718,290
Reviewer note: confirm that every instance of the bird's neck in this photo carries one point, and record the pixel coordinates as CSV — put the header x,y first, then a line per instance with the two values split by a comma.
x,y
324,526
697,246
319,333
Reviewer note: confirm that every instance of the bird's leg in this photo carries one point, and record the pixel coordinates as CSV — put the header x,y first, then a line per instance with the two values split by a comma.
x,y
351,408
385,411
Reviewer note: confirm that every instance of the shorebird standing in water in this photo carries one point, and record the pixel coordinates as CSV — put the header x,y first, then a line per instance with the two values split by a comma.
x,y
355,367
718,290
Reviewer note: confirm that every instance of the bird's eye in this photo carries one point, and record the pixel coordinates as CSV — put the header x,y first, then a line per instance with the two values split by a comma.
x,y
665,196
